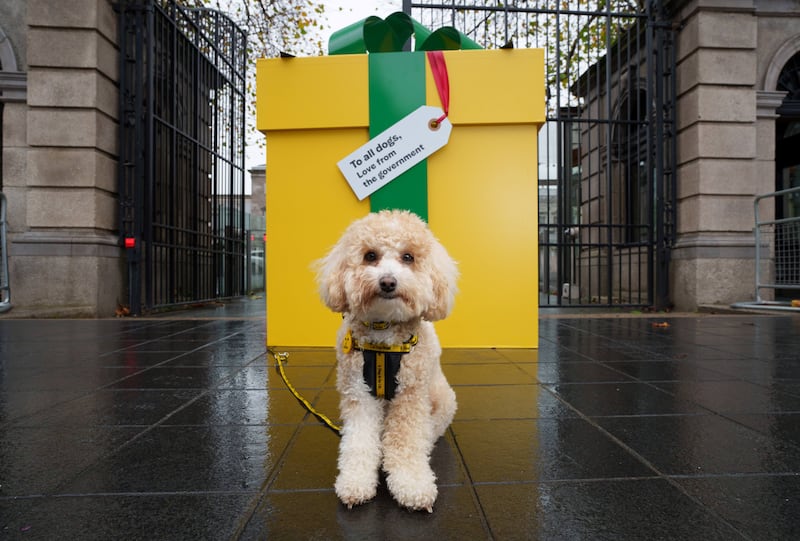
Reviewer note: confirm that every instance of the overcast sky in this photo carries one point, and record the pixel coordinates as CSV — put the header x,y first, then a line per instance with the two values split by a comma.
x,y
343,12
339,13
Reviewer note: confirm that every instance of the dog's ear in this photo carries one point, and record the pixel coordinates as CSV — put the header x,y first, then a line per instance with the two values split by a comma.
x,y
330,279
444,274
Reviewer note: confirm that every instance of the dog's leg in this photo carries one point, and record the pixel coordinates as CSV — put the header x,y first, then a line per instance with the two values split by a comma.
x,y
359,450
407,443
443,404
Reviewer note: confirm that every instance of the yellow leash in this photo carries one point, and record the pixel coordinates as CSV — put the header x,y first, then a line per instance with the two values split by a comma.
x,y
280,359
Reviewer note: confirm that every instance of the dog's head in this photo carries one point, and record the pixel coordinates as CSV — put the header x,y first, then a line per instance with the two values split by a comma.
x,y
388,266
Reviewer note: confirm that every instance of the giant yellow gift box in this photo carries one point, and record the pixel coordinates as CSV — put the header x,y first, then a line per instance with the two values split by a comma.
x,y
482,189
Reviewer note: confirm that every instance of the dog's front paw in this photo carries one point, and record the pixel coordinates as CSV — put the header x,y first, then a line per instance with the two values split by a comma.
x,y
353,491
414,492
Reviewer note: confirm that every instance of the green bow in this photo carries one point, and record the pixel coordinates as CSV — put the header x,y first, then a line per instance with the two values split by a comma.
x,y
376,35
396,89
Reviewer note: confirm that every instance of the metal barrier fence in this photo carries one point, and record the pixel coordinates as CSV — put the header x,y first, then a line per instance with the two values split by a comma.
x,y
777,261
5,283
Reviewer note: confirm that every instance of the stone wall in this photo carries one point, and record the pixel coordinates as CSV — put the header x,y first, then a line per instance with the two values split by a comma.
x,y
60,156
726,138
716,74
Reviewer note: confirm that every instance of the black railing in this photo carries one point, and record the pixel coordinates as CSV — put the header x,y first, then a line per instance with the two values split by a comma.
x,y
181,173
607,153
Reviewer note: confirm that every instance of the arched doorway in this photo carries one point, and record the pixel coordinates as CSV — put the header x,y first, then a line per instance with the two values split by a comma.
x,y
787,127
787,176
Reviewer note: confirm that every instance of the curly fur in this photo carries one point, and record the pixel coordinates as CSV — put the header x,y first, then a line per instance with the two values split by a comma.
x,y
384,249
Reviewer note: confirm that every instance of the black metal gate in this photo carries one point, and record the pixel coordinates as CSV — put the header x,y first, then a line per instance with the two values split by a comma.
x,y
181,172
607,152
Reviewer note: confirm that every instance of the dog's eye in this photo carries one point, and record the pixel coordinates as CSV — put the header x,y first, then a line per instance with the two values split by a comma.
x,y
370,257
408,258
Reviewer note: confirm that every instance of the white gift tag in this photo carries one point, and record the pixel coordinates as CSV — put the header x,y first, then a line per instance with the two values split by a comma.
x,y
395,150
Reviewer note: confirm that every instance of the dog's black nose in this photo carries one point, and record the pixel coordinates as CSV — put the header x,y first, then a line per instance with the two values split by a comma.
x,y
388,283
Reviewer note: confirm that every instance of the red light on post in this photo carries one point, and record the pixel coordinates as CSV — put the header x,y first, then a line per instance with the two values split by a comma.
x,y
130,242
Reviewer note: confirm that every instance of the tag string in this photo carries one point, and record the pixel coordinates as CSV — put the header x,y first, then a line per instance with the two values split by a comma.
x,y
439,70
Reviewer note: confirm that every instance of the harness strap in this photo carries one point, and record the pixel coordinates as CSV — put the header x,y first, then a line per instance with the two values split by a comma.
x,y
377,325
381,363
405,347
380,372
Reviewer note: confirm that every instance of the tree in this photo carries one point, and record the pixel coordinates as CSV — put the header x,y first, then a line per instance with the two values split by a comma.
x,y
574,33
273,27
582,39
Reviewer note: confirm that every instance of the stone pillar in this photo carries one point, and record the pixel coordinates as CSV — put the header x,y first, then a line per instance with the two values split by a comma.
x,y
65,258
718,174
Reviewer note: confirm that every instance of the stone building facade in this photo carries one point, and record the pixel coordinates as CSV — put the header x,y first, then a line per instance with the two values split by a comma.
x,y
58,89
730,54
58,80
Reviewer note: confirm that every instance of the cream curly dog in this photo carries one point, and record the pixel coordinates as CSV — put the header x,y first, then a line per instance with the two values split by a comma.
x,y
390,278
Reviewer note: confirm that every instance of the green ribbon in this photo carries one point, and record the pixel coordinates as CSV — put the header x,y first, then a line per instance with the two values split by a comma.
x,y
375,35
396,89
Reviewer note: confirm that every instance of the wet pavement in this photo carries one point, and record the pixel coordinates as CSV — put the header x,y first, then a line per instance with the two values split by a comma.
x,y
178,427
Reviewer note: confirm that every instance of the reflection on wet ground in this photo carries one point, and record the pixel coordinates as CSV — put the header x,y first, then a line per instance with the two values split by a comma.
x,y
615,428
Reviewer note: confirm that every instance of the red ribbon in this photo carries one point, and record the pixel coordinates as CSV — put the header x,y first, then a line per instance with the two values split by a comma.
x,y
439,70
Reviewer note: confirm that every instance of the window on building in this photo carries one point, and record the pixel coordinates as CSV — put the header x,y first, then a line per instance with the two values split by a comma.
x,y
629,150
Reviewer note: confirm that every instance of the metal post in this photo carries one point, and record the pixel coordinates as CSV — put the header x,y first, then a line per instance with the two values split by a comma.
x,y
757,227
5,281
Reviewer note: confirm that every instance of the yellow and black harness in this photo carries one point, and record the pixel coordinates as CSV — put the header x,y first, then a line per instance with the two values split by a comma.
x,y
372,368
381,363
